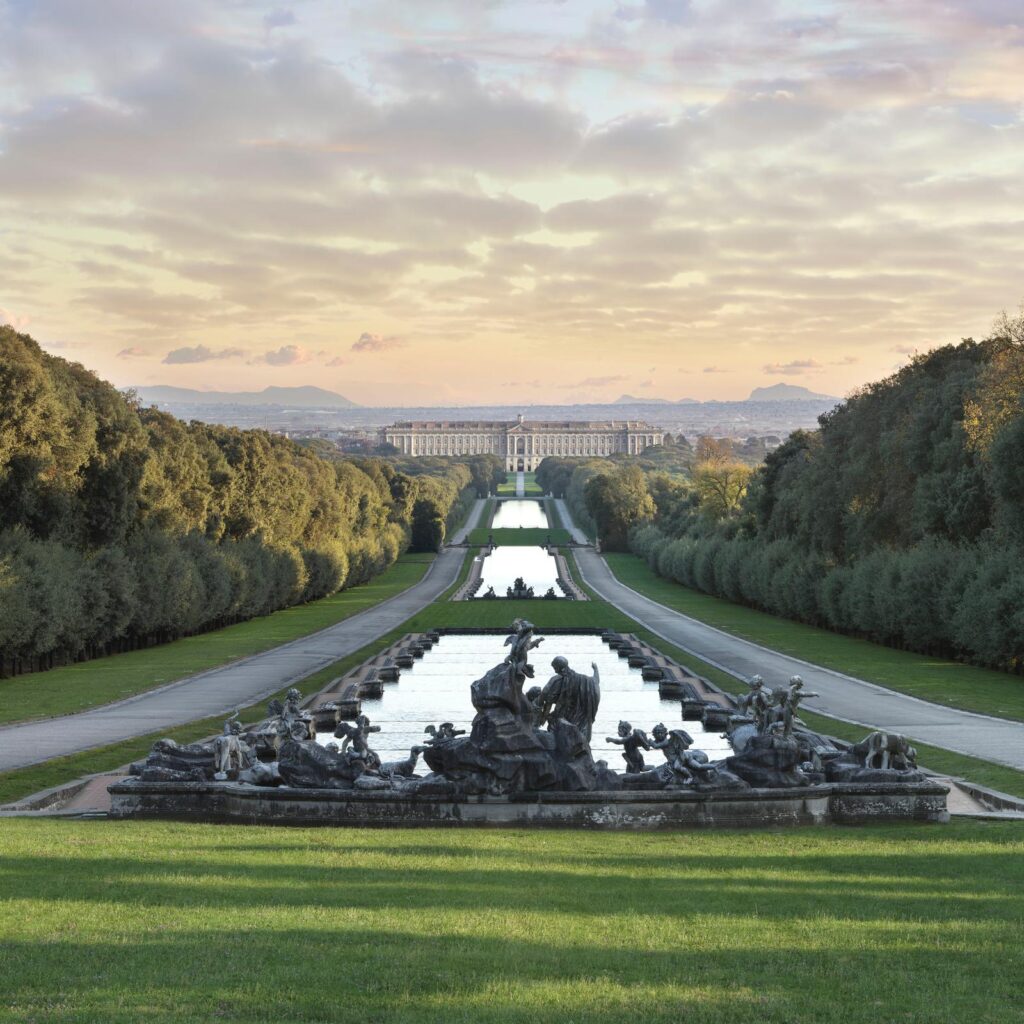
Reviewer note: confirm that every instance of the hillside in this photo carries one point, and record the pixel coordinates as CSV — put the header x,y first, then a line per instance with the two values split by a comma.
x,y
306,397
788,393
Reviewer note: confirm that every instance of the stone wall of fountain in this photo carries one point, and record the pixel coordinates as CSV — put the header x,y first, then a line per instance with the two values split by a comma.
x,y
526,758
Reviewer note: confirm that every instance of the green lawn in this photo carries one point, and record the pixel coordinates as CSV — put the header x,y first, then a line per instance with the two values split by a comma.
x,y
143,921
935,679
90,683
530,486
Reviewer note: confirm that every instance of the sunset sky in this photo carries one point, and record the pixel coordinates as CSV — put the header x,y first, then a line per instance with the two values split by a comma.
x,y
421,202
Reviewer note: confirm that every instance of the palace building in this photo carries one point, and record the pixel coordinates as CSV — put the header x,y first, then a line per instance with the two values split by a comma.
x,y
522,443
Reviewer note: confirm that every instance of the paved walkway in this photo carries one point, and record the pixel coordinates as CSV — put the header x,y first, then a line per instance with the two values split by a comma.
x,y
520,485
471,523
221,690
841,696
574,531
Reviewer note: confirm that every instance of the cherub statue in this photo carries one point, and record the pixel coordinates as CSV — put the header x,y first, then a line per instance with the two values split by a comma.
x,y
793,696
297,723
757,703
442,733
291,702
673,744
356,735
231,753
631,740
521,642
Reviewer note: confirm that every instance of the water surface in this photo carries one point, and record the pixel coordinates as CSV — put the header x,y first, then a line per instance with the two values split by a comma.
x,y
436,690
504,564
513,514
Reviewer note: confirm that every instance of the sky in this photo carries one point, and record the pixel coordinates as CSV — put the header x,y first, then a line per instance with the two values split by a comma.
x,y
424,202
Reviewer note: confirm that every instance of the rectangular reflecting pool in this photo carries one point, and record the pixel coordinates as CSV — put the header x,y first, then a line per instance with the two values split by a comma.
x,y
436,689
513,514
504,564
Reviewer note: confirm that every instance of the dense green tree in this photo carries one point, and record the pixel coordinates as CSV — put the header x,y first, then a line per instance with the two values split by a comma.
x,y
616,501
427,526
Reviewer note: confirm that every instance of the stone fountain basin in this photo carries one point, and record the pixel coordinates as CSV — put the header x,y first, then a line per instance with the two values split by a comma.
x,y
830,803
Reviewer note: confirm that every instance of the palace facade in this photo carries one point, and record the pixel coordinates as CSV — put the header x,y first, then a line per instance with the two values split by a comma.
x,y
522,443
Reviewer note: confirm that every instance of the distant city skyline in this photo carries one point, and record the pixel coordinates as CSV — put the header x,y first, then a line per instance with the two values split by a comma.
x,y
440,203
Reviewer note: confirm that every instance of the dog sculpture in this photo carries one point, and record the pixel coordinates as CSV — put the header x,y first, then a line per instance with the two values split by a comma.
x,y
886,750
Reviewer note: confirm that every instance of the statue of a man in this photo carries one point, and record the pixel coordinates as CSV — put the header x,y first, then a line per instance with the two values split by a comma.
x,y
572,696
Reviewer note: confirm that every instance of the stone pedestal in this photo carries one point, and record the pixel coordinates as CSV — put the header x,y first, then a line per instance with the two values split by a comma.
x,y
839,803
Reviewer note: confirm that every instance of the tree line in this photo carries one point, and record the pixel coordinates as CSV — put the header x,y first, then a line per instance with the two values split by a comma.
x,y
122,526
900,519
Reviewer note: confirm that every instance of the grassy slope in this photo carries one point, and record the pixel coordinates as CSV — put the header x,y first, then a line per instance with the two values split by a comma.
x,y
132,921
88,684
936,679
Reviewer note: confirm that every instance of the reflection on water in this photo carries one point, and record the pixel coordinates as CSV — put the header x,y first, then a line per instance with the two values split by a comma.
x,y
436,689
513,514
535,565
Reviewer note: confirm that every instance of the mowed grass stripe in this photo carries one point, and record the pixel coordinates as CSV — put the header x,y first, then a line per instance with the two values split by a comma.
x,y
131,921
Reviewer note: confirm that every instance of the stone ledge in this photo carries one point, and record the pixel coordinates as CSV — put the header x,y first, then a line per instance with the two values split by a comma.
x,y
845,803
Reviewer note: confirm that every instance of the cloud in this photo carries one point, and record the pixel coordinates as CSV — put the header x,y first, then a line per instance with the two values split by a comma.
x,y
845,361
132,353
904,350
12,319
794,368
713,369
728,174
368,342
279,18
597,382
286,355
201,354
338,361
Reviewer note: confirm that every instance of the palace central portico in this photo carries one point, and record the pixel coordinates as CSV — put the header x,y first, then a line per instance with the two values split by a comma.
x,y
522,443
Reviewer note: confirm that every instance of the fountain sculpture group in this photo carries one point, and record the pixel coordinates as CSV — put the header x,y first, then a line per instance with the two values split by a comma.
x,y
536,745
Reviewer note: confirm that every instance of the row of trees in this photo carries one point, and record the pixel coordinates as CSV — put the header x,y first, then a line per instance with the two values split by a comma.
x,y
901,519
122,526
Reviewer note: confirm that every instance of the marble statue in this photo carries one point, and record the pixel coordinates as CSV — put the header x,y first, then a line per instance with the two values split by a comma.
x,y
232,754
757,703
632,741
522,642
791,701
532,742
441,733
572,696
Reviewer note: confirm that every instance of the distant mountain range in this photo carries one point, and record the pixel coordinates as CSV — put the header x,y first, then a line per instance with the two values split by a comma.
x,y
788,393
634,400
774,393
307,397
